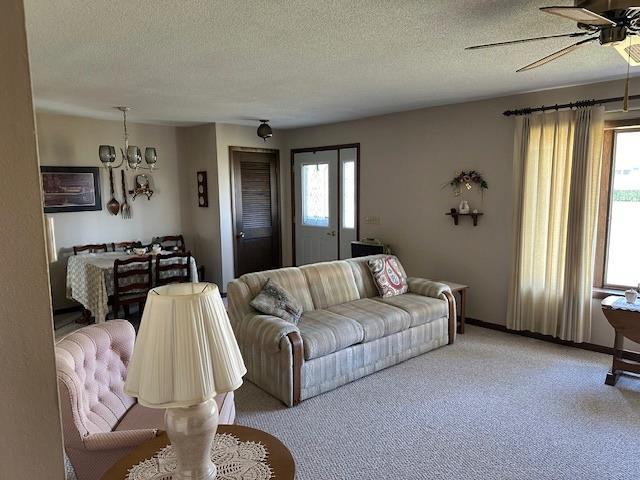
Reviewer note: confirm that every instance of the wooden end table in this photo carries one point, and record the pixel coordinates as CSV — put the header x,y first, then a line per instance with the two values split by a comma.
x,y
625,319
462,291
279,458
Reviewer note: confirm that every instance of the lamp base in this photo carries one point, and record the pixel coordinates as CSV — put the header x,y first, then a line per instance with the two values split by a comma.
x,y
191,431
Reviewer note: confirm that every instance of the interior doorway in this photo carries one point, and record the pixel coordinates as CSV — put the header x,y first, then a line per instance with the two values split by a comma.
x,y
255,209
325,200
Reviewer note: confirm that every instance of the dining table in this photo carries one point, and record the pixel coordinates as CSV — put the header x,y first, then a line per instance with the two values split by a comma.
x,y
90,279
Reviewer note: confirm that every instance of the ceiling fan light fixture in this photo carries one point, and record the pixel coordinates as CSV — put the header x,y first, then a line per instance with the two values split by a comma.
x,y
264,130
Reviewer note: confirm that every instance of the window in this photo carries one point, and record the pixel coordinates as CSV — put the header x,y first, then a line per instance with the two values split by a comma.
x,y
619,226
349,194
315,195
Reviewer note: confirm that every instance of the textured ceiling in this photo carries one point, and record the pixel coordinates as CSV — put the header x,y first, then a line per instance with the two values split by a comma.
x,y
297,63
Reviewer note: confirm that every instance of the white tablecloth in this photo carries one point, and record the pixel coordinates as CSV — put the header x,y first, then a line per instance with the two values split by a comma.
x,y
90,280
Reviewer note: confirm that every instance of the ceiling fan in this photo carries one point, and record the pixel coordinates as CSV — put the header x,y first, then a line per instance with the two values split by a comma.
x,y
611,22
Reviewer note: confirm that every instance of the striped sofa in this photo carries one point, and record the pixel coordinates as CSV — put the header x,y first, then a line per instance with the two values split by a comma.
x,y
346,331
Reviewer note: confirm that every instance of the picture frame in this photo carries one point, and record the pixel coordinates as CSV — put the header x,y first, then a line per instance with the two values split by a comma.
x,y
70,189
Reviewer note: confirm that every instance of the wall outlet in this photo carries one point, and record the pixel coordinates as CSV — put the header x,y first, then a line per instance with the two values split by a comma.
x,y
372,220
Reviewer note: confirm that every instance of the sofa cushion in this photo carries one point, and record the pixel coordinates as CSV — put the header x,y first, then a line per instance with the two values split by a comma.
x,y
291,279
377,319
325,332
330,283
138,417
422,309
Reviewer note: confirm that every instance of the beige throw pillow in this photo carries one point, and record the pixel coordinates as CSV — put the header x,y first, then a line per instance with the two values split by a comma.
x,y
275,300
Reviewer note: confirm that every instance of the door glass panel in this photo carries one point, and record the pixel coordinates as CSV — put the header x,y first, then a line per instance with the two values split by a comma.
x,y
315,195
349,194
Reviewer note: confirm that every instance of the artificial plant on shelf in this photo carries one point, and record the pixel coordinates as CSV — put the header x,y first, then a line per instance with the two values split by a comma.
x,y
467,179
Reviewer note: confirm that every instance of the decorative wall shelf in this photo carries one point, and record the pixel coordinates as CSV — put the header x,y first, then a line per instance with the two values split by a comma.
x,y
456,217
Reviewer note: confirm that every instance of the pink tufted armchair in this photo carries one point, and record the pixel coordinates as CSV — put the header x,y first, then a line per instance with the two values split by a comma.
x,y
100,422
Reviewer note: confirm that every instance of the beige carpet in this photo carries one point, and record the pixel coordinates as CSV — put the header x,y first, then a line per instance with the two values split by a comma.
x,y
493,406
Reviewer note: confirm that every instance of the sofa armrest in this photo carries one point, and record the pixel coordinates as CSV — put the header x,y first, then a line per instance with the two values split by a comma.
x,y
427,288
267,331
118,439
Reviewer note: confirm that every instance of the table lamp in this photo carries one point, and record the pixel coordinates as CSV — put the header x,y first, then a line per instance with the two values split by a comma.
x,y
185,354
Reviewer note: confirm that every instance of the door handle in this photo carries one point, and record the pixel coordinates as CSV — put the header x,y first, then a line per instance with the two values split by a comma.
x,y
332,233
240,235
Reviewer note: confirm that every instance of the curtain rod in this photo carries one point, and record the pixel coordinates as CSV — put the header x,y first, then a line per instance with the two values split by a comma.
x,y
578,104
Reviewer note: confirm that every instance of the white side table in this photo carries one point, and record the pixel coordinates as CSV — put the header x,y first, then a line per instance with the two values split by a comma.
x,y
462,292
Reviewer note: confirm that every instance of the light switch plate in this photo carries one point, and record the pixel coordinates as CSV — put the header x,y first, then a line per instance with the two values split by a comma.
x,y
372,220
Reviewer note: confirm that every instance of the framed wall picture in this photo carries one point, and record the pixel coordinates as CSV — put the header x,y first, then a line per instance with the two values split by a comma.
x,y
71,189
203,191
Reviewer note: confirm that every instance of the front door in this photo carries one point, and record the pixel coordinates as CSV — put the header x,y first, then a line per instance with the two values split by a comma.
x,y
325,203
316,207
255,209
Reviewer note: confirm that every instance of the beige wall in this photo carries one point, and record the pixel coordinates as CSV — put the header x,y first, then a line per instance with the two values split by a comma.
x,y
197,152
406,158
237,136
73,141
31,439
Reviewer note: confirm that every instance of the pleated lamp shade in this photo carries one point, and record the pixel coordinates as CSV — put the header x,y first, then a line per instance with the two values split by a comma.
x,y
186,352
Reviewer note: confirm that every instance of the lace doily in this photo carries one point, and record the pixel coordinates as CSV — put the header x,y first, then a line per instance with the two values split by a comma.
x,y
234,459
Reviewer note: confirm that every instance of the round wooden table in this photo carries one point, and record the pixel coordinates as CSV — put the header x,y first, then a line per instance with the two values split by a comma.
x,y
625,319
279,458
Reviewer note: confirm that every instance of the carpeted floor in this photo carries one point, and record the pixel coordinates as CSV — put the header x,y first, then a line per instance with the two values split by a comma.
x,y
493,406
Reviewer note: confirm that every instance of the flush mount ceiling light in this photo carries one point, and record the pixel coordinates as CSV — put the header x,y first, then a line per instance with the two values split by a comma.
x,y
130,153
264,130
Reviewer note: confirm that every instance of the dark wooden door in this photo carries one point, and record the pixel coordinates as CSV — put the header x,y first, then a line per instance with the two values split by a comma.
x,y
255,210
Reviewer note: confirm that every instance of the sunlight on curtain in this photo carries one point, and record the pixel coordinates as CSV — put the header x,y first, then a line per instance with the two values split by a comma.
x,y
557,162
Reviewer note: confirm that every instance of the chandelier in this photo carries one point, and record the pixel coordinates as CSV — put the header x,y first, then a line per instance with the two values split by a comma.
x,y
130,153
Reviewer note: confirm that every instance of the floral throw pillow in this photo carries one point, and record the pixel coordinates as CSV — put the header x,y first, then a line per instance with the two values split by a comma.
x,y
389,276
274,300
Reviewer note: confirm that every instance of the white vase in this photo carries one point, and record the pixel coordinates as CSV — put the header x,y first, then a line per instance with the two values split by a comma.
x,y
464,207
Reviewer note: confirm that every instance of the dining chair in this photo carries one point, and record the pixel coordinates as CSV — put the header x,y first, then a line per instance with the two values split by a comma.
x,y
122,246
131,282
173,268
91,248
171,242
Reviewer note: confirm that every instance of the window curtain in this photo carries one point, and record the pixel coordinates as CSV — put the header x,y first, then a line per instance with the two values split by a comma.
x,y
557,161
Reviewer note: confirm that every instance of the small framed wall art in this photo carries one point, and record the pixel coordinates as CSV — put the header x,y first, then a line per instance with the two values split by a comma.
x,y
203,191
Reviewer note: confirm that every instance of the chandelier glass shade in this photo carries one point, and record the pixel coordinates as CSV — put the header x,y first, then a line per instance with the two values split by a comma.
x,y
131,153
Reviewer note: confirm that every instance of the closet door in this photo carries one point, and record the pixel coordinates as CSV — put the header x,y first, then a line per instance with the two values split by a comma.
x,y
256,220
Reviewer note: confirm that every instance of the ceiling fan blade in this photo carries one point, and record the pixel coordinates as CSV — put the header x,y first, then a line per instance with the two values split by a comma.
x,y
558,54
524,40
580,15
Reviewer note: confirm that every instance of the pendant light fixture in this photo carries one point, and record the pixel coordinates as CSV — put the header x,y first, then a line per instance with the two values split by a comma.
x,y
130,153
264,130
